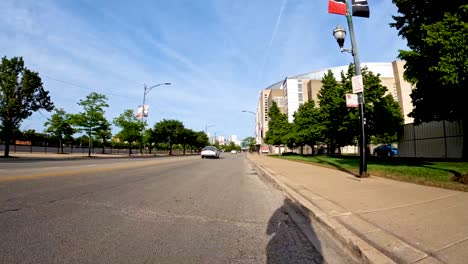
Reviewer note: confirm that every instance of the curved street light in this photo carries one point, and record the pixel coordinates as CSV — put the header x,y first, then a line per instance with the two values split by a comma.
x,y
208,126
145,92
246,111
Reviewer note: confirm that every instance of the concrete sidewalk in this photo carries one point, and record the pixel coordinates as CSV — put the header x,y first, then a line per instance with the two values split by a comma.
x,y
406,222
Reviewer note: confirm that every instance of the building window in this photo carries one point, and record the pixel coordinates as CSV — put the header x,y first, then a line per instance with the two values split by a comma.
x,y
300,92
395,92
279,101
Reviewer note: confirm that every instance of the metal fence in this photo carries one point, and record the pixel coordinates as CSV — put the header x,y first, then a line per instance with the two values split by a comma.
x,y
84,150
442,139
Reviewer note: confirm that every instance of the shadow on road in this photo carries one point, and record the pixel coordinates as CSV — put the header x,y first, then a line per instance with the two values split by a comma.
x,y
289,244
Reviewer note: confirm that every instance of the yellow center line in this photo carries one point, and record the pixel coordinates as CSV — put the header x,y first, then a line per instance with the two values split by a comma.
x,y
86,170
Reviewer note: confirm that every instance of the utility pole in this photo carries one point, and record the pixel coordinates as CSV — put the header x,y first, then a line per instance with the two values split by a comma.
x,y
146,90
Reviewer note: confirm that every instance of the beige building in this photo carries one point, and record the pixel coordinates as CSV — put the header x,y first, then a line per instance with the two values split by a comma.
x,y
292,92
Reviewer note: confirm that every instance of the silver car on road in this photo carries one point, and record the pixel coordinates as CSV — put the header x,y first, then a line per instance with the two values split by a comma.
x,y
210,152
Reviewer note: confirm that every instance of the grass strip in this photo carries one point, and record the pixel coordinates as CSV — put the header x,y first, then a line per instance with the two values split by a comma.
x,y
420,171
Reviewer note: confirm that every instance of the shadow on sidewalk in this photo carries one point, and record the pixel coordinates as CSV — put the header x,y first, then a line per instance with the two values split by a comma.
x,y
289,244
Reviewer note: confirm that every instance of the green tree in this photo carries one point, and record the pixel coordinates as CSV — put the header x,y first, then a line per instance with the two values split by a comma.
x,y
278,127
250,142
437,62
169,131
59,126
130,126
382,112
92,119
104,133
186,136
307,125
21,94
337,126
340,124
149,139
190,139
201,140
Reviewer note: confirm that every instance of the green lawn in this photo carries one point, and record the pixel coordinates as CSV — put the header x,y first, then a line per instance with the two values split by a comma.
x,y
433,173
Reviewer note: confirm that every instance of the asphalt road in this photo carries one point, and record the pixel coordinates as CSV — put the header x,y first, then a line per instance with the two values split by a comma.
x,y
128,210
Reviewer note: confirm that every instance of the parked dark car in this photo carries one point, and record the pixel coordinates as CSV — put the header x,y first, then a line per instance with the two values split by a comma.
x,y
385,151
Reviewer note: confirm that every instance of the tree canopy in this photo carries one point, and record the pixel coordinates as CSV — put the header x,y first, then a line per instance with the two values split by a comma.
x,y
169,131
59,126
278,127
92,119
339,125
306,124
437,62
131,127
21,94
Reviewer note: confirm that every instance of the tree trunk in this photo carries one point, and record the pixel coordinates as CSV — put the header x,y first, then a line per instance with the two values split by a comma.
x,y
184,150
61,145
89,143
170,149
7,142
465,137
141,147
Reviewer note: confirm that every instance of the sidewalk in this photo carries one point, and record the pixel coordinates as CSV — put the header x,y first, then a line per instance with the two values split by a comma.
x,y
408,223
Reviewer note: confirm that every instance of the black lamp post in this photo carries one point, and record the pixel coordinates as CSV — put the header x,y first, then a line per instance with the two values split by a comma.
x,y
340,34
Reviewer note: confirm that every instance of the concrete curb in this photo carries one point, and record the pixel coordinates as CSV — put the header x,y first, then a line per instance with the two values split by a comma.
x,y
356,249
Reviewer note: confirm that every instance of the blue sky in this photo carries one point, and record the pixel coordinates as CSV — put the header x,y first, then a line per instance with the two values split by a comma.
x,y
218,54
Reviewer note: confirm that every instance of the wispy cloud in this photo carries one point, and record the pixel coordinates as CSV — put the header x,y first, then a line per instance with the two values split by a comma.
x,y
217,53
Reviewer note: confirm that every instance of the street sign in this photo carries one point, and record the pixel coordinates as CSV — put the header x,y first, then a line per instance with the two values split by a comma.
x,y
358,85
352,100
142,111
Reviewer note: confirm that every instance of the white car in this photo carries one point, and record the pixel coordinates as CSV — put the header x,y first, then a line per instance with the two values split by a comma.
x,y
233,151
210,152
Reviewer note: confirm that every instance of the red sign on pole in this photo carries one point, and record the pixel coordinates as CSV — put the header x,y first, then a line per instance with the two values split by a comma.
x,y
337,7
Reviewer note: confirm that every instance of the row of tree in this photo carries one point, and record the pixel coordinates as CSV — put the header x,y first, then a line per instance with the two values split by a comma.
x,y
132,130
22,93
331,122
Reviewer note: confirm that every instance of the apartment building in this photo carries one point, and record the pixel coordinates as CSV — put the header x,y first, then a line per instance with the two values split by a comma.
x,y
294,91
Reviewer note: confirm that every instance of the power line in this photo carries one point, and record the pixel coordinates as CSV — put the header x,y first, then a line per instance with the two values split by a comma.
x,y
82,87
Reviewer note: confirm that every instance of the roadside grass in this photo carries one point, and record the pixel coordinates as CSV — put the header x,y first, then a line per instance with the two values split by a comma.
x,y
444,174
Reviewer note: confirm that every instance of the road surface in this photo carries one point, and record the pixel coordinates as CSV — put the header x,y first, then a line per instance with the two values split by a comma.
x,y
152,210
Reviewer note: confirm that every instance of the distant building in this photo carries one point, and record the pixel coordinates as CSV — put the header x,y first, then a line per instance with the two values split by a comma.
x,y
292,92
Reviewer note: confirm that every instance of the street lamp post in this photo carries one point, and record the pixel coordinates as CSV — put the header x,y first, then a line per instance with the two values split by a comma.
x,y
145,92
208,126
246,111
255,132
340,33
255,114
